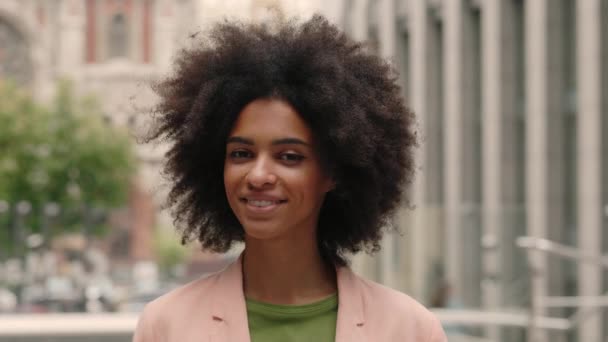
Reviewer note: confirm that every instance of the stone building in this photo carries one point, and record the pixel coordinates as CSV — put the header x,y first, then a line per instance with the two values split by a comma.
x,y
113,49
512,103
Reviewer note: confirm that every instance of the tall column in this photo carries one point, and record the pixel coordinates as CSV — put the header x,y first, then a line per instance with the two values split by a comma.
x,y
335,11
453,92
418,238
358,20
164,37
41,58
604,169
387,27
387,30
492,111
589,155
136,32
72,35
536,156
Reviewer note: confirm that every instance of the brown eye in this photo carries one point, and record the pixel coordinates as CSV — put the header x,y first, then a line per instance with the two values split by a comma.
x,y
240,154
291,158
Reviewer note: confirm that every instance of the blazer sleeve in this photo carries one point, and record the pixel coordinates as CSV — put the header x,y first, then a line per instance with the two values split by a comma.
x,y
145,330
437,333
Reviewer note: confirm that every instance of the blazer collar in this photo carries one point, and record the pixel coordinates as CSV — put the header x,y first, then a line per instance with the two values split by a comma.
x,y
351,313
229,311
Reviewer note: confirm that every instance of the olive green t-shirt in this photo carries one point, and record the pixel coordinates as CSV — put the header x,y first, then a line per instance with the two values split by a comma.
x,y
293,323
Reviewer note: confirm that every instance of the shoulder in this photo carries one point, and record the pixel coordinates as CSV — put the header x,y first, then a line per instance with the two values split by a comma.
x,y
169,311
387,297
386,307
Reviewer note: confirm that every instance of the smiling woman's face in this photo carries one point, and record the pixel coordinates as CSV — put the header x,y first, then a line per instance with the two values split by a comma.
x,y
274,180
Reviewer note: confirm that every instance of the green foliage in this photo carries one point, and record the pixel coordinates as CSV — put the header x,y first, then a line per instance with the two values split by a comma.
x,y
63,153
169,251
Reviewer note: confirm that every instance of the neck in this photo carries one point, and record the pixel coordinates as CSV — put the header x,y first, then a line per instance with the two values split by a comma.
x,y
281,272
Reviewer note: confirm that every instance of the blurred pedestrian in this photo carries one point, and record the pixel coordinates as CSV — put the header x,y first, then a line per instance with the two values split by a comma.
x,y
293,139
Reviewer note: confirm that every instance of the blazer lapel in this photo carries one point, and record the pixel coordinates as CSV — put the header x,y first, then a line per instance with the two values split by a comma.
x,y
351,315
229,312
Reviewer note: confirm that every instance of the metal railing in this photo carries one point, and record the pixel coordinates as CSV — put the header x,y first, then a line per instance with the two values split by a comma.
x,y
586,305
529,318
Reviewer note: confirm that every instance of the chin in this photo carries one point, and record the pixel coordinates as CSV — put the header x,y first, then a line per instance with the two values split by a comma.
x,y
262,231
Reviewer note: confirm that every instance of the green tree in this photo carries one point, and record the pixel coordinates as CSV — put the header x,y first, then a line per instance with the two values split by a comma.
x,y
62,157
169,251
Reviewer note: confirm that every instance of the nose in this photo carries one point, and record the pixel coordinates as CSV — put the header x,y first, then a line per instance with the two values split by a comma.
x,y
261,174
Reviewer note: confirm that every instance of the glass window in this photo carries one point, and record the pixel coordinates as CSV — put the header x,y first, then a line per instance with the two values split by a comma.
x,y
561,146
569,141
434,134
372,28
118,36
470,209
514,265
434,159
403,62
604,42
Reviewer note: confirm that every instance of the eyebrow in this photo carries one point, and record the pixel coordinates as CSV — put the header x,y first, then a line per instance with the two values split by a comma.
x,y
282,141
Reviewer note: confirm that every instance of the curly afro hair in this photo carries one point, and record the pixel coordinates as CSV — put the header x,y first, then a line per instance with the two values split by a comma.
x,y
346,94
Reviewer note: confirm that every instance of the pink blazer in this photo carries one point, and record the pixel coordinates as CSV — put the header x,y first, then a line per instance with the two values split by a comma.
x,y
213,309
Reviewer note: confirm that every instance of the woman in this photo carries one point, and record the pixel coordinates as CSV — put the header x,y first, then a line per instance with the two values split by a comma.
x,y
294,140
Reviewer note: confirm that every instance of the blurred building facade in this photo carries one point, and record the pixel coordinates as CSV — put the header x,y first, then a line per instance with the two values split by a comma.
x,y
110,49
113,49
512,104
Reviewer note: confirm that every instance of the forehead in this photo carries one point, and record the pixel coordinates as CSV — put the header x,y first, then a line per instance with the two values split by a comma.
x,y
270,118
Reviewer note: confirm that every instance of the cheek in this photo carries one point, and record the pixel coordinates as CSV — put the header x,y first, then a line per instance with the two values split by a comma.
x,y
311,186
231,190
230,179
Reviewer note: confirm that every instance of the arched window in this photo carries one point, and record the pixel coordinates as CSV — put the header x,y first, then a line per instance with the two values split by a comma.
x,y
118,37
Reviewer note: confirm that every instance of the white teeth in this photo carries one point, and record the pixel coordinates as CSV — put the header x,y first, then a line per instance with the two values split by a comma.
x,y
260,203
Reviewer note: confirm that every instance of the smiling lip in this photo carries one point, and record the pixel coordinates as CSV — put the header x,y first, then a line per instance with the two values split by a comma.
x,y
262,204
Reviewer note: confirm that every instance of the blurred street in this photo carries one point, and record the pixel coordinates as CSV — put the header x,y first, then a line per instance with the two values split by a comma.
x,y
507,240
